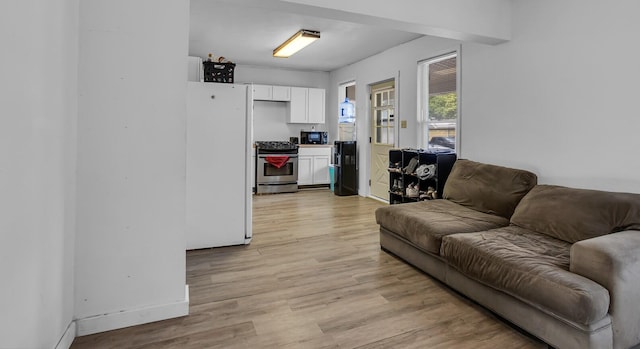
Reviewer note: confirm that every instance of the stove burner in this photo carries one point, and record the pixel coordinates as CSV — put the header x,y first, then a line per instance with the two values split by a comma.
x,y
263,146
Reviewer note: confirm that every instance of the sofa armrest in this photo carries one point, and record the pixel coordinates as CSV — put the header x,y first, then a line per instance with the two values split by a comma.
x,y
613,261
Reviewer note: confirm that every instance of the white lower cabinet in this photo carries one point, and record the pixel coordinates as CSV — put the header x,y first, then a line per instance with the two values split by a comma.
x,y
321,169
305,170
313,165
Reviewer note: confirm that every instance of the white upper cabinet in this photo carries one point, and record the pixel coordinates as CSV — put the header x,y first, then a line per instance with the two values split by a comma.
x,y
306,106
281,93
262,92
271,93
316,106
298,105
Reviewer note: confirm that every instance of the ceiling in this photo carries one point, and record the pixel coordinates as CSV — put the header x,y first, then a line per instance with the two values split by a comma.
x,y
246,32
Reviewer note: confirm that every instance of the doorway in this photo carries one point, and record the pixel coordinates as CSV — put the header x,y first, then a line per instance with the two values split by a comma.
x,y
383,132
347,111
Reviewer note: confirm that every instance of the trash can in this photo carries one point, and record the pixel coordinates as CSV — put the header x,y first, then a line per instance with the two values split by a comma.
x,y
332,176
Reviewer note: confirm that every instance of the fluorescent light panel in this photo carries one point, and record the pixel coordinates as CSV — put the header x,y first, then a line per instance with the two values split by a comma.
x,y
296,43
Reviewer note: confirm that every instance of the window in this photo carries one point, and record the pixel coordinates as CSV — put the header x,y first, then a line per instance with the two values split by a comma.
x,y
438,102
383,109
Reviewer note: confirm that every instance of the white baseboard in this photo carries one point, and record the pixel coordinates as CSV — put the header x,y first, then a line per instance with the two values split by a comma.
x,y
378,199
68,336
126,318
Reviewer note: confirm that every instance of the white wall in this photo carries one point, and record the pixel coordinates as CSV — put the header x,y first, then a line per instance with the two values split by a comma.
x,y
284,77
38,108
398,63
130,252
560,98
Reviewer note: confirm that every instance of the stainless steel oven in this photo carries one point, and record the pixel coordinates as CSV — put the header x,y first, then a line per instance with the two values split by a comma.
x,y
276,167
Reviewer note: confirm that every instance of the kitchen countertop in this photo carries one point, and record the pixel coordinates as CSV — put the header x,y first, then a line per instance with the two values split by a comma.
x,y
253,145
315,145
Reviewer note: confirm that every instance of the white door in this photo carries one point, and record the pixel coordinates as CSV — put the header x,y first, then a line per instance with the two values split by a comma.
x,y
321,169
382,136
218,185
262,92
315,106
298,105
281,93
305,170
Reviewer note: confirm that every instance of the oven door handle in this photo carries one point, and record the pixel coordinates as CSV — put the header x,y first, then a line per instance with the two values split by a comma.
x,y
264,156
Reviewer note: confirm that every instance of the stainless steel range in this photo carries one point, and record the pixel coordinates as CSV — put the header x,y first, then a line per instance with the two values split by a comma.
x,y
276,167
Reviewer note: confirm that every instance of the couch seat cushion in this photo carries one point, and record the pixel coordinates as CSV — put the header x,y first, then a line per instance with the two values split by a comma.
x,y
530,266
424,223
573,215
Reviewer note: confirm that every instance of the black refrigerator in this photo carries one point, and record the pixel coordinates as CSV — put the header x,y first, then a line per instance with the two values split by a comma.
x,y
346,168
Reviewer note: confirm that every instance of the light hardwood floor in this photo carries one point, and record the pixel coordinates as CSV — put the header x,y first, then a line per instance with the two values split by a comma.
x,y
314,277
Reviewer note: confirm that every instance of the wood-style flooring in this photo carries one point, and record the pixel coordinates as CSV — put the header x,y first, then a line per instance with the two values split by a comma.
x,y
314,277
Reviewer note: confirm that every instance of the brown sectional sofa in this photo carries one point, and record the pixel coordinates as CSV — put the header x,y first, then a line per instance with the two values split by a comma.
x,y
561,263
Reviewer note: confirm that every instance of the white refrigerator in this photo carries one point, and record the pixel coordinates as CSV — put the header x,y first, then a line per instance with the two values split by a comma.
x,y
218,187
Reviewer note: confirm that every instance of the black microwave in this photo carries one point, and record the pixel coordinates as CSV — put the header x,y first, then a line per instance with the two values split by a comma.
x,y
313,137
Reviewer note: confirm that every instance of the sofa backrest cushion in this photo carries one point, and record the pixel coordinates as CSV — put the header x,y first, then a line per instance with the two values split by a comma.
x,y
487,188
572,215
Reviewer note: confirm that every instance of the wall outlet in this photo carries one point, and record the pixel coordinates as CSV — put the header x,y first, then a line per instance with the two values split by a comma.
x,y
403,123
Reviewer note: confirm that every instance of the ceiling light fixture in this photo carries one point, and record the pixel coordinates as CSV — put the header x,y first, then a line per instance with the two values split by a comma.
x,y
296,43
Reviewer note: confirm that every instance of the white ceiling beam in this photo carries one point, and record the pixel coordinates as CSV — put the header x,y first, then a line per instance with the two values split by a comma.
x,y
481,21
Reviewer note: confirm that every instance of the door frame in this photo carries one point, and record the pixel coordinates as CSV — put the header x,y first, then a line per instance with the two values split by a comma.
x,y
396,139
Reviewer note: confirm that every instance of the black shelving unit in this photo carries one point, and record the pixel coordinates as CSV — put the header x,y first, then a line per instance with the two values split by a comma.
x,y
420,179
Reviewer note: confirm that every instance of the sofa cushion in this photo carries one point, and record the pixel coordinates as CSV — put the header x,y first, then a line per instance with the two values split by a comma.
x,y
424,223
572,215
488,188
530,266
